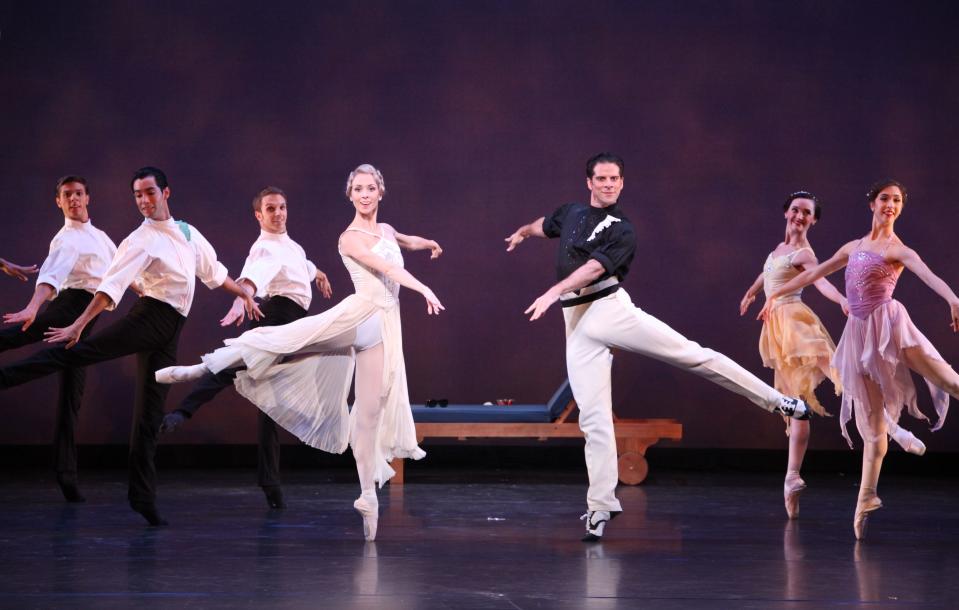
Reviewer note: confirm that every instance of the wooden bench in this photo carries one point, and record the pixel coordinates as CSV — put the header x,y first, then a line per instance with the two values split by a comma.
x,y
633,436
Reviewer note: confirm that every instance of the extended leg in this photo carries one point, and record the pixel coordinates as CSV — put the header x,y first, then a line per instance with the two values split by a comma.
x,y
369,408
871,422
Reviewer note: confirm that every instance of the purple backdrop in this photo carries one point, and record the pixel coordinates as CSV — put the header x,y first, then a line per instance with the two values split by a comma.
x,y
481,115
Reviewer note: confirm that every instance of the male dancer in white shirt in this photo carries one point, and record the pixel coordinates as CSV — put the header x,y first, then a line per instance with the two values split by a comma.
x,y
277,271
79,256
163,256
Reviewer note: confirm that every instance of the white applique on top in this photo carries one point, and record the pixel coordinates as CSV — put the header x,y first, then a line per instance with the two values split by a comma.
x,y
607,222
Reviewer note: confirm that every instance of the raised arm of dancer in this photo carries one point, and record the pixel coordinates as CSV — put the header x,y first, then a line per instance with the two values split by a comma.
x,y
71,334
533,229
809,276
41,294
750,295
805,259
580,278
909,258
18,271
352,245
413,242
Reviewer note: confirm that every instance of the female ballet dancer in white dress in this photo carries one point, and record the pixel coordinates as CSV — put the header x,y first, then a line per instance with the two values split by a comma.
x,y
299,373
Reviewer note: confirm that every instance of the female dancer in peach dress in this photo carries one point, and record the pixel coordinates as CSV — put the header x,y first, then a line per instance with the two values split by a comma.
x,y
793,341
299,373
880,344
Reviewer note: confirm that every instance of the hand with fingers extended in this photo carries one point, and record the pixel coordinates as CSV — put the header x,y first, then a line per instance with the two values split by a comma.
x,y
236,314
764,312
252,308
68,334
18,271
746,302
541,304
954,312
516,239
323,284
25,316
433,305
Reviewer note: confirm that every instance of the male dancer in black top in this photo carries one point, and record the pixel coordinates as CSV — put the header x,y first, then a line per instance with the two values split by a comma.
x,y
163,257
597,243
78,257
278,270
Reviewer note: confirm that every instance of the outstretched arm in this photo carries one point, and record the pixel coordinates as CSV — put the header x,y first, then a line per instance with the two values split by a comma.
x,y
750,295
352,245
911,260
18,271
805,259
41,294
414,242
807,277
582,277
71,334
533,229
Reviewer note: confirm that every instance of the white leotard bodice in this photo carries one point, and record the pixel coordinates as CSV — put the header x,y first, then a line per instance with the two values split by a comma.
x,y
373,284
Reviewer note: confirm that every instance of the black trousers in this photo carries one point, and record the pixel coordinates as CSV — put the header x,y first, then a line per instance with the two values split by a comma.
x,y
150,330
60,312
277,311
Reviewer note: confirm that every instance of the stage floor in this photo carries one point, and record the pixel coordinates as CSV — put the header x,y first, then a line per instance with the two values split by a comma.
x,y
476,540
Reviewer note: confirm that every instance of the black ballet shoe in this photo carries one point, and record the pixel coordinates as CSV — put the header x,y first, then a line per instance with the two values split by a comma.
x,y
172,420
149,512
274,496
70,489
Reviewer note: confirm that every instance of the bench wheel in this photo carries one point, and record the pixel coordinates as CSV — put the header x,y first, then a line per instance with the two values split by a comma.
x,y
633,468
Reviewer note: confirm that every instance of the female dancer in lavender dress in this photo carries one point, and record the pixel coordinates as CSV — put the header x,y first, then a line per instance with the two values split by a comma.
x,y
880,344
299,373
793,342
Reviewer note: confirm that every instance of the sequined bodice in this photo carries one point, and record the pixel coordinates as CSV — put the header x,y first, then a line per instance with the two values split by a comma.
x,y
777,271
374,284
870,282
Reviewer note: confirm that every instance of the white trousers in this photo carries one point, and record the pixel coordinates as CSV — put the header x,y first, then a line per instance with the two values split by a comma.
x,y
614,322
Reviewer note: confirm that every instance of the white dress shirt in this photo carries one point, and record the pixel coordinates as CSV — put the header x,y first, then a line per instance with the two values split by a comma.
x,y
164,263
79,256
277,266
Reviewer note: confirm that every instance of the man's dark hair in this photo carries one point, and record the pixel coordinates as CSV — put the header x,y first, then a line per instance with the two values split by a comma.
x,y
817,207
270,190
876,188
603,158
72,178
146,172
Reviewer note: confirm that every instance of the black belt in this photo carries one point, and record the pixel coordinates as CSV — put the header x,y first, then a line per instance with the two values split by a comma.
x,y
588,298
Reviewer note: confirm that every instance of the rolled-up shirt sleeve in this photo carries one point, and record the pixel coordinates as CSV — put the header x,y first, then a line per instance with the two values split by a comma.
x,y
553,224
57,266
260,268
617,250
210,271
129,261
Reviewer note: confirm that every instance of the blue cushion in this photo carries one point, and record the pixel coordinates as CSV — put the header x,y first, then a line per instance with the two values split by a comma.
x,y
495,413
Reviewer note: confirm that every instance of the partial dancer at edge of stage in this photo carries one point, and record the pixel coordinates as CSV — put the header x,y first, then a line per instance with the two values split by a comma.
x,y
299,373
597,244
78,257
880,344
793,341
162,259
278,271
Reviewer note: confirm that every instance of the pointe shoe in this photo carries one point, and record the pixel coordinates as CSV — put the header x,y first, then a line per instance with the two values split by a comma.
x,y
179,374
863,508
908,441
792,407
369,509
791,491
